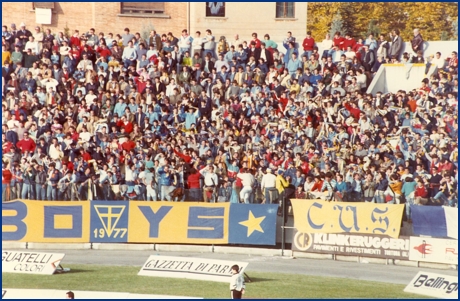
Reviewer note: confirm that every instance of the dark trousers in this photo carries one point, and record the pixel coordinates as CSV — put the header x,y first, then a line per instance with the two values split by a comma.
x,y
236,294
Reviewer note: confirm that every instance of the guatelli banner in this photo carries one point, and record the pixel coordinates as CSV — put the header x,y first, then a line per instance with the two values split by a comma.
x,y
365,245
29,262
139,222
316,216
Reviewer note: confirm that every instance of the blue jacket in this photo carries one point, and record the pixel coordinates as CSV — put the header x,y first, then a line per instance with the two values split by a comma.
x,y
165,179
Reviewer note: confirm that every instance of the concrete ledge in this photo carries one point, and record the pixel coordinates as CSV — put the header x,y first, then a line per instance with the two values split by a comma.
x,y
123,247
312,255
432,265
247,251
347,258
58,246
405,263
182,248
372,260
13,245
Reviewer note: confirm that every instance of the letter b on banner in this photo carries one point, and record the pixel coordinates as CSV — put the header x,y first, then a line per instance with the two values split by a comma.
x,y
13,226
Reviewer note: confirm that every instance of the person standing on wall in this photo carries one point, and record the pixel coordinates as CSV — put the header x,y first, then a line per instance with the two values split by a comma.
x,y
237,285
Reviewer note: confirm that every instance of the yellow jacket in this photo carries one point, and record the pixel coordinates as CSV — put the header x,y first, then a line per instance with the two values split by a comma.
x,y
281,183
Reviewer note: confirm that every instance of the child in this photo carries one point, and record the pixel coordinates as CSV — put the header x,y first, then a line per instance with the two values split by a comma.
x,y
237,285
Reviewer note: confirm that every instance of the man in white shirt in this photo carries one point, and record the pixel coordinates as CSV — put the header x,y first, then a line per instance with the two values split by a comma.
x,y
210,181
247,180
197,44
438,61
129,55
185,42
268,186
237,285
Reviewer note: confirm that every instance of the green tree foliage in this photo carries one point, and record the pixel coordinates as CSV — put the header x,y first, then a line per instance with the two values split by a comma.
x,y
361,18
337,24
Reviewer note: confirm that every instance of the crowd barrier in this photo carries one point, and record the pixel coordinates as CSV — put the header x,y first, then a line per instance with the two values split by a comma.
x,y
338,228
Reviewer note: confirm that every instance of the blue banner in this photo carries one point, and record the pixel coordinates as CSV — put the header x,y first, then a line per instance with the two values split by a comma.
x,y
109,221
429,220
252,224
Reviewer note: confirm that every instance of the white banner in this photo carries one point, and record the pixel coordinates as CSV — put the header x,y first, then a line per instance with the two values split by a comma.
x,y
434,285
190,268
433,250
451,221
30,262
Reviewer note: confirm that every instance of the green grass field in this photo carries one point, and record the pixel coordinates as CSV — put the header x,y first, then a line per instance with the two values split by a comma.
x,y
263,285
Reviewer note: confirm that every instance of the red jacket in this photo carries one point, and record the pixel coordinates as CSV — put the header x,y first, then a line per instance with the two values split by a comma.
x,y
186,158
75,41
421,192
308,44
270,160
257,41
26,145
305,167
193,181
353,111
128,145
338,41
6,176
128,126
348,42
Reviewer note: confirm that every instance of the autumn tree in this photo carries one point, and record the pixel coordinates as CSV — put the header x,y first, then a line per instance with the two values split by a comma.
x,y
360,18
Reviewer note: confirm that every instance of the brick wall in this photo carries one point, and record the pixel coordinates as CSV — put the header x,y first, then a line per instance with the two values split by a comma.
x,y
103,16
249,17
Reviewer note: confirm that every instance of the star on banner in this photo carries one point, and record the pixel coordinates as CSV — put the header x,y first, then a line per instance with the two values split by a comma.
x,y
253,223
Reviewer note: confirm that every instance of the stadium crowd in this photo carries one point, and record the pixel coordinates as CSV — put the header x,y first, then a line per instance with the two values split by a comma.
x,y
114,116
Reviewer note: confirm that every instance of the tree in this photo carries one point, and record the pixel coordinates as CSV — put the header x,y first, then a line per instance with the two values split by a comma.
x,y
372,28
337,24
359,18
455,29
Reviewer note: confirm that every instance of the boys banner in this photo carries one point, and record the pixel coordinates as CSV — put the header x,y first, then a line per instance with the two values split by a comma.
x,y
316,216
150,222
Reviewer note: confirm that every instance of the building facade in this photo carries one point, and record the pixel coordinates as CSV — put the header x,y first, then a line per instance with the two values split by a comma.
x,y
223,18
230,18
102,16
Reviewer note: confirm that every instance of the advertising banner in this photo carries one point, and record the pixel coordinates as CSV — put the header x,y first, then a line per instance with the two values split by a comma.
x,y
190,268
433,250
365,245
316,216
434,285
29,262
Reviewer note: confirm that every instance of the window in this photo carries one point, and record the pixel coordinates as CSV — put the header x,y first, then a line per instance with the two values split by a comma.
x,y
43,5
215,9
142,7
285,10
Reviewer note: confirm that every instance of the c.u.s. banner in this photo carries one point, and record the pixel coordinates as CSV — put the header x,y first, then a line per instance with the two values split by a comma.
x,y
316,216
139,222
